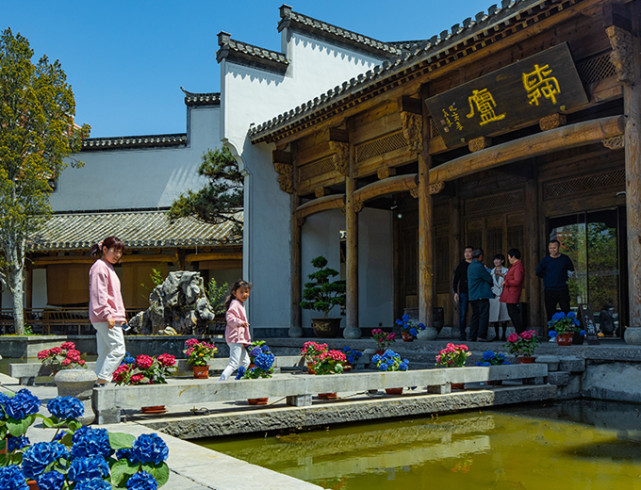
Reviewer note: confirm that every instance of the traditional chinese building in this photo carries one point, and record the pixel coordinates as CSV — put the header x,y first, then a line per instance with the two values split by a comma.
x,y
518,124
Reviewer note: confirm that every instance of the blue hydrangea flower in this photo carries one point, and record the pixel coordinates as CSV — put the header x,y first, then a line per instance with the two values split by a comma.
x,y
51,480
403,366
123,454
93,484
83,468
128,359
552,333
582,332
413,332
21,405
4,399
405,318
14,443
265,348
36,458
11,478
421,326
142,481
149,448
88,441
264,361
382,367
241,372
66,407
376,358
399,322
255,351
488,355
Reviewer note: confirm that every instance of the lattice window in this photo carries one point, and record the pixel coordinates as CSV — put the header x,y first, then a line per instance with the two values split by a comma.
x,y
495,202
596,68
588,183
314,169
380,146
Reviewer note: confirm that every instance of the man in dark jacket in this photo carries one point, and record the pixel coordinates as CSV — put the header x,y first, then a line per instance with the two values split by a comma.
x,y
555,269
459,285
480,284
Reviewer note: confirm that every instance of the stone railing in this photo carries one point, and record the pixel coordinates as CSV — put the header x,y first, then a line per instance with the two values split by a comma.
x,y
27,373
298,389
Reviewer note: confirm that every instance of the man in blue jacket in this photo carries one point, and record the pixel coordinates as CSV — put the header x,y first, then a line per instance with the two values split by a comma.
x,y
479,284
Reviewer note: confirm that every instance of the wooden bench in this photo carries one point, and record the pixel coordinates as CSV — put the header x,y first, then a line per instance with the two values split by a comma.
x,y
109,401
27,373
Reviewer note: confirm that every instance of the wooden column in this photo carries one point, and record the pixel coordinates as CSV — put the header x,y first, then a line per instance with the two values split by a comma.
x,y
295,325
352,207
531,255
426,283
623,29
456,238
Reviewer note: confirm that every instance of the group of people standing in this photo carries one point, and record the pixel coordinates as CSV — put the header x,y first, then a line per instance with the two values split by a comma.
x,y
494,294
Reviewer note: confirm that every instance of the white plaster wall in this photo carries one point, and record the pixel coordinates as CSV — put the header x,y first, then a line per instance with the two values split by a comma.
x,y
321,236
139,178
253,96
39,288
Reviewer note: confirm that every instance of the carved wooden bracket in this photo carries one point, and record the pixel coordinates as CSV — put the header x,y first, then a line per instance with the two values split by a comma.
x,y
412,130
320,192
436,187
341,156
621,56
385,172
478,144
358,205
614,143
300,220
551,122
285,176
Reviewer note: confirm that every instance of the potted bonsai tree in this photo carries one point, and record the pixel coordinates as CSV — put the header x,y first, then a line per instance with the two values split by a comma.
x,y
322,294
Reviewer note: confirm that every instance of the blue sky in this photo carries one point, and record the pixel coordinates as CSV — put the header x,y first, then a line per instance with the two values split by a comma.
x,y
127,59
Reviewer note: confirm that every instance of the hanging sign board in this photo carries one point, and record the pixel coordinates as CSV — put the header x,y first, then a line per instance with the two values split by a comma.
x,y
543,84
587,323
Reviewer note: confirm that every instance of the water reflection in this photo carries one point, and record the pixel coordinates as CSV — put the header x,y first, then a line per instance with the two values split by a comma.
x,y
524,448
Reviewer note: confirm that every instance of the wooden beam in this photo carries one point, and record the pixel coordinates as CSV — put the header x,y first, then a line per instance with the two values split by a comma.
x,y
409,104
385,172
579,134
233,254
391,185
336,134
334,201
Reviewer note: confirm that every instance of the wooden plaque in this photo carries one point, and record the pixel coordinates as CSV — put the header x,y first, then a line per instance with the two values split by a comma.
x,y
543,84
587,322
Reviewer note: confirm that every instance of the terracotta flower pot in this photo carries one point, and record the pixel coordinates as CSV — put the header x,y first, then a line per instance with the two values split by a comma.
x,y
154,409
407,337
257,401
526,359
394,391
328,396
310,368
564,338
201,372
33,485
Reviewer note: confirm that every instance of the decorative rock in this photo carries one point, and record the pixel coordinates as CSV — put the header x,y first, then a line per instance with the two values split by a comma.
x,y
352,333
632,335
430,333
78,383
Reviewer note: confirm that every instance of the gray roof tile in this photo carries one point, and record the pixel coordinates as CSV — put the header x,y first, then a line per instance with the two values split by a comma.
x,y
131,142
138,229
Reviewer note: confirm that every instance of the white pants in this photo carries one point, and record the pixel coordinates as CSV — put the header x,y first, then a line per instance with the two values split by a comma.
x,y
238,356
110,344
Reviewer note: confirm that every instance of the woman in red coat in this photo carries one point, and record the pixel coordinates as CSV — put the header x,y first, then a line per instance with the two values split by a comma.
x,y
512,289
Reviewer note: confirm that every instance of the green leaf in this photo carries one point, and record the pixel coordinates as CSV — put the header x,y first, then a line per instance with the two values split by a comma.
x,y
122,470
159,472
19,428
120,440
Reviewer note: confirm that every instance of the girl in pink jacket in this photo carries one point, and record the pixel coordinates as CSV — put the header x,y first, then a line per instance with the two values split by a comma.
x,y
237,333
106,308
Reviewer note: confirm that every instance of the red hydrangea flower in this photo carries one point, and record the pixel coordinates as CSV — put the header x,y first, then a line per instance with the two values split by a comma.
x,y
167,359
43,354
192,342
68,345
144,362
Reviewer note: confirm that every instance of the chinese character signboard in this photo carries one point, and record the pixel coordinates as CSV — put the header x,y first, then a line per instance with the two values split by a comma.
x,y
523,92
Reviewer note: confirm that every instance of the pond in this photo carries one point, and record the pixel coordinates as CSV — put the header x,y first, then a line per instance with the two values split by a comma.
x,y
569,445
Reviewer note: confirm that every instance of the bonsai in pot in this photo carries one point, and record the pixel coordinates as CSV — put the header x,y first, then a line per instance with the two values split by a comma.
x,y
322,294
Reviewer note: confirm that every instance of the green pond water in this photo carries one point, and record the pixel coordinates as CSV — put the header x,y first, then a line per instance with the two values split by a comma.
x,y
570,445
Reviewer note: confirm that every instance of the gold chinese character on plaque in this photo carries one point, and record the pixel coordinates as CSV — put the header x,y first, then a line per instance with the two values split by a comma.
x,y
484,103
539,83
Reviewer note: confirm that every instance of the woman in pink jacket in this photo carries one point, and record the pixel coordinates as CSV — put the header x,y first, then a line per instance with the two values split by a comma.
x,y
106,308
512,287
237,333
